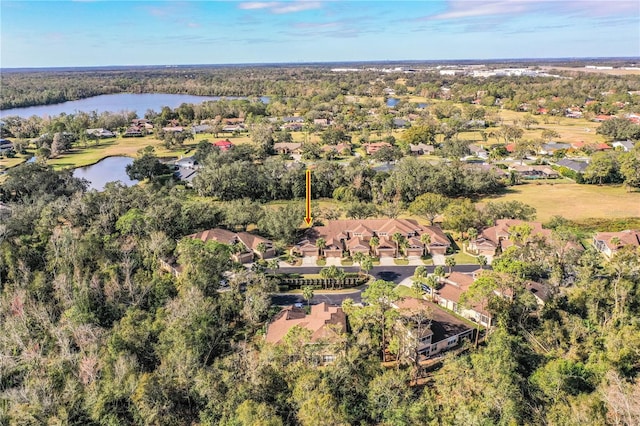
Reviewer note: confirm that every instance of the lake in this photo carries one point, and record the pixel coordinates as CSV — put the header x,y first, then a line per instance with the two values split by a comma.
x,y
110,169
139,103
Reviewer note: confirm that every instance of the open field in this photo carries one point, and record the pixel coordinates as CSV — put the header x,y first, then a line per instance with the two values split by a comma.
x,y
574,201
592,71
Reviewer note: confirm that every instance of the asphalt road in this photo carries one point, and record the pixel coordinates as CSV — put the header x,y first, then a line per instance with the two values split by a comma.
x,y
388,273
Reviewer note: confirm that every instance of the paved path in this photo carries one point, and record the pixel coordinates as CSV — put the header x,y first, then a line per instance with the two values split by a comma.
x,y
398,274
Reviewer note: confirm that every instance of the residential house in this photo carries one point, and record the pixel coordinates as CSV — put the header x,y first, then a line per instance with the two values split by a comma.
x,y
491,241
292,127
132,132
478,151
624,145
575,165
341,148
601,147
287,148
299,120
602,117
5,145
142,123
201,128
354,236
173,129
534,172
400,123
552,147
497,171
323,122
223,144
608,243
422,149
427,330
249,242
327,325
372,148
101,133
541,292
449,295
187,163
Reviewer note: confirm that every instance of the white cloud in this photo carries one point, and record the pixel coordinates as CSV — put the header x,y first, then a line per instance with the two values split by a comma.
x,y
279,8
461,9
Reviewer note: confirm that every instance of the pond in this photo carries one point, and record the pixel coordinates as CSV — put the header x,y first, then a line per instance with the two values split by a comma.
x,y
110,169
391,102
139,103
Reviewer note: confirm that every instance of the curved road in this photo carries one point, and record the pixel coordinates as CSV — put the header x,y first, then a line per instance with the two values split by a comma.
x,y
388,273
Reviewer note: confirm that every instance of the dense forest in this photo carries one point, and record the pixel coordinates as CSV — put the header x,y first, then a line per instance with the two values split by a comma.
x,y
94,333
39,87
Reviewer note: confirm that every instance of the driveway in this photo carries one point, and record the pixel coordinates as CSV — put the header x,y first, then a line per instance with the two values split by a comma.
x,y
438,259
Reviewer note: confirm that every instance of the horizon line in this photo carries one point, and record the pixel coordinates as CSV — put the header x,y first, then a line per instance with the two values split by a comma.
x,y
373,61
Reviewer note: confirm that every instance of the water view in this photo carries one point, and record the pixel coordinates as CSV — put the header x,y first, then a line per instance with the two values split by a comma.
x,y
110,169
139,103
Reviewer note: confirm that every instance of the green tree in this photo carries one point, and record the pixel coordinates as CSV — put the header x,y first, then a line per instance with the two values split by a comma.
x,y
380,295
307,293
321,243
203,263
630,168
399,239
148,166
450,261
429,206
460,216
282,223
603,166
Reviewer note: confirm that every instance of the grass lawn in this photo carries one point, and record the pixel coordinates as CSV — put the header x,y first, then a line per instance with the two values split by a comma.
x,y
463,258
404,291
401,262
7,163
80,156
574,201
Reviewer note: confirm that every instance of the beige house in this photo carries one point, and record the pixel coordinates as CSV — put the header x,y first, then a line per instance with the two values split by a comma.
x,y
449,296
250,242
327,325
492,241
356,236
608,243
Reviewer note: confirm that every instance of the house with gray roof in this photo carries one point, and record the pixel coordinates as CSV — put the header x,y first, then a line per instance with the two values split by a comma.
x,y
575,165
624,145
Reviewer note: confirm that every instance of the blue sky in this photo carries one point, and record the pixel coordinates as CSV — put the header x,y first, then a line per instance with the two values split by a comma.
x,y
93,33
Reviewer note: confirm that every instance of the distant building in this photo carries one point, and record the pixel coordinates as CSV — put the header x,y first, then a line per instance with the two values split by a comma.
x,y
576,166
608,243
223,145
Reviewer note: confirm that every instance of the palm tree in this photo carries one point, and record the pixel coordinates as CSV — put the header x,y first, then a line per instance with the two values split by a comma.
x,y
321,243
426,240
307,294
261,248
366,264
329,273
358,257
472,233
397,238
373,243
340,276
450,262
273,264
482,261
